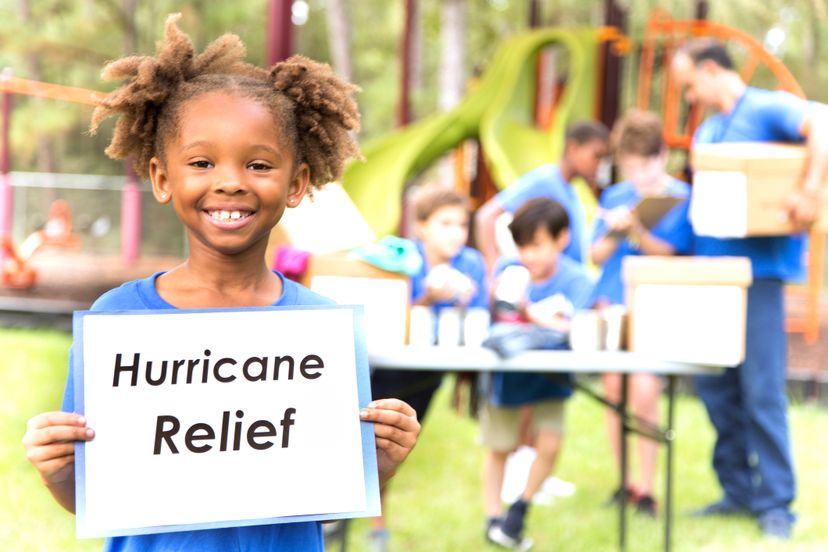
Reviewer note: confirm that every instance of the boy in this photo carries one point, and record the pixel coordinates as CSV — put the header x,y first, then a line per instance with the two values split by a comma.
x,y
641,157
541,232
586,145
452,275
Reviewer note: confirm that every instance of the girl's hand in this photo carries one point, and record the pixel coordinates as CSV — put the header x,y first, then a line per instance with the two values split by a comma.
x,y
50,444
396,429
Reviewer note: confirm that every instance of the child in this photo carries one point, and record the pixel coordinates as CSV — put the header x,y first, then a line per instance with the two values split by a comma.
x,y
452,275
541,231
641,156
586,145
230,146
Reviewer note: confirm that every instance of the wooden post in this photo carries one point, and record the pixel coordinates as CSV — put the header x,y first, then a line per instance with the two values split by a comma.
x,y
279,31
6,195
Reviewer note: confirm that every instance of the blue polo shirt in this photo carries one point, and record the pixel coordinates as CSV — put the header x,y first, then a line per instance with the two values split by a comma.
x,y
672,228
546,181
512,389
468,261
283,537
758,116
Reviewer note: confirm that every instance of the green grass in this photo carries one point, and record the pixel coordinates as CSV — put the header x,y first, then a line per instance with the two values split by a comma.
x,y
435,500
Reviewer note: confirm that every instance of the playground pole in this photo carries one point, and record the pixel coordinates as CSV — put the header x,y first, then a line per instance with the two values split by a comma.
x,y
6,197
279,31
130,216
614,16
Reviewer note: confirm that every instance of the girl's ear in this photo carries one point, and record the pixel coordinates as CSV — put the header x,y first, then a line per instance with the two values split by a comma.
x,y
160,183
299,185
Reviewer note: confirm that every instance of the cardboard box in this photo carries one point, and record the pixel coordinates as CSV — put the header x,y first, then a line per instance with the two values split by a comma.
x,y
741,189
688,309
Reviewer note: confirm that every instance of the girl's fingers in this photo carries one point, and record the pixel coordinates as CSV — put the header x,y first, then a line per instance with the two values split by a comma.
x,y
51,452
393,404
56,419
57,434
396,435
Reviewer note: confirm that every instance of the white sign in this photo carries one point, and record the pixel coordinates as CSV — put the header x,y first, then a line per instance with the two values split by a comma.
x,y
222,417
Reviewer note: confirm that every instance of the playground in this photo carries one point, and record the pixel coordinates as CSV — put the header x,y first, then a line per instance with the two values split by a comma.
x,y
74,225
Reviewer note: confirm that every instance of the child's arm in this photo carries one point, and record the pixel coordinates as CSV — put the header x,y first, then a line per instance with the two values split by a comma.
x,y
647,243
50,447
615,224
396,429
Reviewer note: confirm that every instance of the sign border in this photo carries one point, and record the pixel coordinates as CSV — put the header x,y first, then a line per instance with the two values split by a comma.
x,y
369,451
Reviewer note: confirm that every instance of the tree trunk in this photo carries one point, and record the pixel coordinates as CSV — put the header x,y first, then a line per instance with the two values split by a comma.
x,y
339,37
452,75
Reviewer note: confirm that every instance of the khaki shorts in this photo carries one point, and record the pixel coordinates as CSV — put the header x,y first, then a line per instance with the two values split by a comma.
x,y
500,425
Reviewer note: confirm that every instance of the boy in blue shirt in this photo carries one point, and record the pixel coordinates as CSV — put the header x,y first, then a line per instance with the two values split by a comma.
x,y
747,404
541,232
586,145
641,157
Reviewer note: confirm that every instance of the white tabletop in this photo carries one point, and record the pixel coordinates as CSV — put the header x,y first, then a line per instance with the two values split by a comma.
x,y
478,359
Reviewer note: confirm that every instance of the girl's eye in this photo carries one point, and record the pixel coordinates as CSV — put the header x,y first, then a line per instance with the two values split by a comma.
x,y
201,164
258,166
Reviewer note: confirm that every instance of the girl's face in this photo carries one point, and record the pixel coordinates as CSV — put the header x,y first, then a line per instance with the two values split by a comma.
x,y
446,231
228,173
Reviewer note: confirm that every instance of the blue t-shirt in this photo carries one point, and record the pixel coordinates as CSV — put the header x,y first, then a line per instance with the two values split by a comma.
x,y
282,537
518,388
546,181
673,225
758,116
468,261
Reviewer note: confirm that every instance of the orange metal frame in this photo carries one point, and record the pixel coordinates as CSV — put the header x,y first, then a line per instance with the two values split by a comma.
x,y
669,34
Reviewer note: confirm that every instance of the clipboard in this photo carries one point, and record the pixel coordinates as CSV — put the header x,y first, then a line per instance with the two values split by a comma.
x,y
650,210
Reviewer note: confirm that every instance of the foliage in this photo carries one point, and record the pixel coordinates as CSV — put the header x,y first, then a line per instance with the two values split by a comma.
x,y
72,39
442,477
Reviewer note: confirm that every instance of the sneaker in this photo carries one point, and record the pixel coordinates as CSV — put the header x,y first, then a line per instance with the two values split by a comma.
x,y
620,495
496,535
724,507
776,525
378,540
645,505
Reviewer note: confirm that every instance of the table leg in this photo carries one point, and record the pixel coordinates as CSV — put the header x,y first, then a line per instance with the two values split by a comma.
x,y
669,436
622,503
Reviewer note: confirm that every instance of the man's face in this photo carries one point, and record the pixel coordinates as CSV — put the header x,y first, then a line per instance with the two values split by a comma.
x,y
698,81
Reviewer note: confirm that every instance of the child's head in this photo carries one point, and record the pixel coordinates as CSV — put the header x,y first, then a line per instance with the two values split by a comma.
x,y
640,151
442,220
540,229
228,143
586,145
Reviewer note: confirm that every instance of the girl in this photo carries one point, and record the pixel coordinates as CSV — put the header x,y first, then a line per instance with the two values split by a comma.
x,y
230,146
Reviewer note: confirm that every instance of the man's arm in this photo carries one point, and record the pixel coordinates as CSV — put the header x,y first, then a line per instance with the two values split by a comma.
x,y
804,207
484,226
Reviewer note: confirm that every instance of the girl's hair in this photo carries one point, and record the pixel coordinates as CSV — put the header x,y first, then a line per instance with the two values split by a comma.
x,y
312,107
435,197
638,133
537,213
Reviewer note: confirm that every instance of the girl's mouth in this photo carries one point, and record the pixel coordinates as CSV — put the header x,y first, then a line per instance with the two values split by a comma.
x,y
229,216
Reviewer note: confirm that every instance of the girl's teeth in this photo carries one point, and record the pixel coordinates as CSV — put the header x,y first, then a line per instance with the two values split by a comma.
x,y
227,215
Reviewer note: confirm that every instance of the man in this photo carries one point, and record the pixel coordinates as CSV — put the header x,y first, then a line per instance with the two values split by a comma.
x,y
586,145
747,404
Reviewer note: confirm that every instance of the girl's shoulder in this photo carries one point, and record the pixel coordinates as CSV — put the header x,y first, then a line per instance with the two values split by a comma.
x,y
295,294
133,295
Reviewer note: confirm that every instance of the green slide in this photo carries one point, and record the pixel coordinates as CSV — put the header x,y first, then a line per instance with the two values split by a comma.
x,y
499,111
